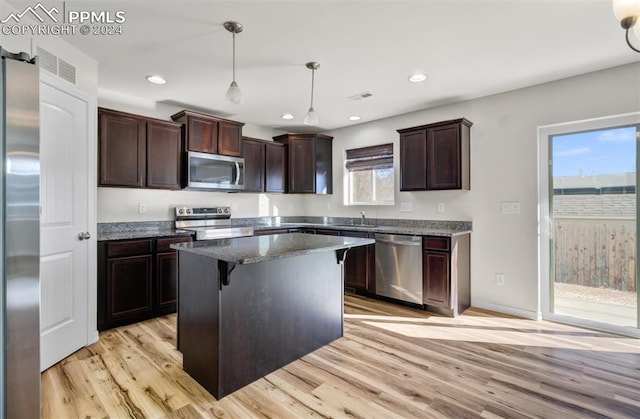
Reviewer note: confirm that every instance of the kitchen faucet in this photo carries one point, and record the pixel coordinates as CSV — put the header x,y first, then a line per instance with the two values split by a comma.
x,y
363,216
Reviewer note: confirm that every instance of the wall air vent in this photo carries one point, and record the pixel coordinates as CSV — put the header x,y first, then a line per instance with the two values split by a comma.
x,y
66,71
47,61
55,65
360,96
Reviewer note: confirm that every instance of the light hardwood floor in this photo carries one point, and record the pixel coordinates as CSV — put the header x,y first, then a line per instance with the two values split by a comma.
x,y
392,362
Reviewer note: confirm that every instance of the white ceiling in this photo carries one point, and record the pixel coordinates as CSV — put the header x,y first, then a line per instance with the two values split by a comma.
x,y
468,48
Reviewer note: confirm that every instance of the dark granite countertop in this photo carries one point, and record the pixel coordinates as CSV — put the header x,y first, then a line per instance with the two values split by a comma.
x,y
138,230
151,229
412,231
142,234
245,250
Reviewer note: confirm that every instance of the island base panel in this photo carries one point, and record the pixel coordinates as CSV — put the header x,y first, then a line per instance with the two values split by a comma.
x,y
269,315
198,305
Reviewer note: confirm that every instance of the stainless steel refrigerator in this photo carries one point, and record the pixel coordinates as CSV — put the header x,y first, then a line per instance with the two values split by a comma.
x,y
20,233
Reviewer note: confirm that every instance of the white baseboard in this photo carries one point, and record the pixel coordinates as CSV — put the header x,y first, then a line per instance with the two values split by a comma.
x,y
506,310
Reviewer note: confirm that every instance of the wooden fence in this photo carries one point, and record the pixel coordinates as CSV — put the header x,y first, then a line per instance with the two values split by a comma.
x,y
596,252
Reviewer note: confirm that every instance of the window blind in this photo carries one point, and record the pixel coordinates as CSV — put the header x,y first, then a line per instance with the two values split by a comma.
x,y
370,158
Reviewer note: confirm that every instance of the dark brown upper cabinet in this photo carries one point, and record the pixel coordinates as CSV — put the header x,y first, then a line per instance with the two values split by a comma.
x,y
275,167
264,166
139,152
435,156
164,155
309,163
209,134
253,153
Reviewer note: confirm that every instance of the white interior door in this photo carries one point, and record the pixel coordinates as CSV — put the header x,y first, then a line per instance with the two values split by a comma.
x,y
64,263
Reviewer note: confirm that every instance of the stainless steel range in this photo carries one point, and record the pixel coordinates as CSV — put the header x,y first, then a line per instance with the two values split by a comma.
x,y
209,223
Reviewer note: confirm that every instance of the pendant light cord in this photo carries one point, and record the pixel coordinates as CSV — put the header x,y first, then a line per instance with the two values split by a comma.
x,y
234,55
313,74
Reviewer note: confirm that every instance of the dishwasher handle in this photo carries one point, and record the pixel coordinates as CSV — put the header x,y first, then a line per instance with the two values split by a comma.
x,y
399,240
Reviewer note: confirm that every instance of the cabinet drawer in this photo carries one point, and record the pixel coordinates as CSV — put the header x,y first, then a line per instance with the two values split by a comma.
x,y
129,248
327,232
362,234
162,245
435,243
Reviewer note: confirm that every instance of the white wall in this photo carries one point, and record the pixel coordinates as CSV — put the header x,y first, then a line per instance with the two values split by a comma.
x,y
121,204
503,168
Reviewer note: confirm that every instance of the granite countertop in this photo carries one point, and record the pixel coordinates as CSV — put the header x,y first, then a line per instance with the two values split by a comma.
x,y
412,231
139,230
245,250
151,229
142,234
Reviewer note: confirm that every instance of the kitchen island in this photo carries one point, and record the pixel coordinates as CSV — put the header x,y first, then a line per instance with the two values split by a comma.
x,y
248,306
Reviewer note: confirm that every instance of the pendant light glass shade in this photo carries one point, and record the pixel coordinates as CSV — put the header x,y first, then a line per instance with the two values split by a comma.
x,y
234,95
626,8
628,13
311,118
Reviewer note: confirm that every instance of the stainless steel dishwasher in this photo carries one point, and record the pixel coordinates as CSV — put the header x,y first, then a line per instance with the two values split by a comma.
x,y
399,267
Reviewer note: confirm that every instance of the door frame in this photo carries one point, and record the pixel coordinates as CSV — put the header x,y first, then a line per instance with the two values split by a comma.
x,y
545,222
92,255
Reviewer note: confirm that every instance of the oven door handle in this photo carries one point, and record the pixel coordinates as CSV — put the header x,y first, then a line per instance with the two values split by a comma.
x,y
237,173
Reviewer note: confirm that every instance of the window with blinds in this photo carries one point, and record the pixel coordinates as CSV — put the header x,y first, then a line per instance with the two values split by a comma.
x,y
369,175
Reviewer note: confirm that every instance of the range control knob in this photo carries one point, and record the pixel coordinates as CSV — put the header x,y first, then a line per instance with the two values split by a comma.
x,y
188,210
180,211
226,210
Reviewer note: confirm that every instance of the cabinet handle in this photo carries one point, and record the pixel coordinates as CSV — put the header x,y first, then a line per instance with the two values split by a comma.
x,y
84,236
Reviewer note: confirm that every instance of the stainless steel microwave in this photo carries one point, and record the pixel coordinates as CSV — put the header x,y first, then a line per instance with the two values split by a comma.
x,y
214,172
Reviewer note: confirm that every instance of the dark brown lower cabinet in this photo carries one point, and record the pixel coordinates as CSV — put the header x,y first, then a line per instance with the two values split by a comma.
x,y
436,285
327,231
446,274
270,232
359,266
129,287
137,280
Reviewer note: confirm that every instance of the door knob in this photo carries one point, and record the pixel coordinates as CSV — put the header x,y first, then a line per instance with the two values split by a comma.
x,y
84,236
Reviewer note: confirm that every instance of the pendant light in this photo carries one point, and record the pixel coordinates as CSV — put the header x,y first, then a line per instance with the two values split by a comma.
x,y
234,95
311,118
628,12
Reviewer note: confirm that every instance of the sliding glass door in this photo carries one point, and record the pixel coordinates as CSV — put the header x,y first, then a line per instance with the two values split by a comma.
x,y
590,217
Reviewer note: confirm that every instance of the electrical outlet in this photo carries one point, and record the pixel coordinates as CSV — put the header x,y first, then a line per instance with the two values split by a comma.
x,y
406,207
142,208
510,207
500,279
234,208
440,206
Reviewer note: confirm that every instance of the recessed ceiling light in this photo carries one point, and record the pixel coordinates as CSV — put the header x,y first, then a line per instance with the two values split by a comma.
x,y
417,77
156,79
286,116
354,118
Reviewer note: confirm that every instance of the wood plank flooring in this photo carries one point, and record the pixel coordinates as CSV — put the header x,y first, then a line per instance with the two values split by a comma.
x,y
394,362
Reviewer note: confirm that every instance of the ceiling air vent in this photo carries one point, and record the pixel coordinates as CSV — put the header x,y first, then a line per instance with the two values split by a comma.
x,y
66,71
360,96
47,61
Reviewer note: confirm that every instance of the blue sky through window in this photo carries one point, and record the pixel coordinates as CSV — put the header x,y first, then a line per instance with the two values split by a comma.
x,y
595,152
